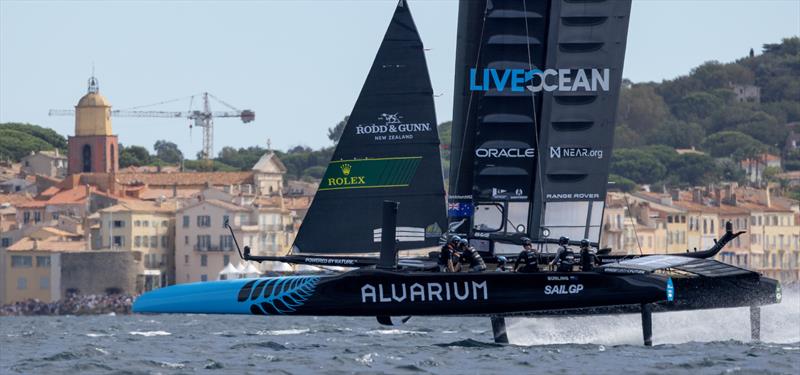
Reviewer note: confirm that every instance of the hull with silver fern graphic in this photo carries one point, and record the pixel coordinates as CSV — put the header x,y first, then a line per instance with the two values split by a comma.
x,y
386,293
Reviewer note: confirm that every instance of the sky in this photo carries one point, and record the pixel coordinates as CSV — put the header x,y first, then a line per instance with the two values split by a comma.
x,y
298,64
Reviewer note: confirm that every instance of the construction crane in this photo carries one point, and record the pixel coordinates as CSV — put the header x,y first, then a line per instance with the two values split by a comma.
x,y
202,119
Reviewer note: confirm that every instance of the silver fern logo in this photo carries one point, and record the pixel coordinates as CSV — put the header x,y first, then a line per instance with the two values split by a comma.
x,y
278,295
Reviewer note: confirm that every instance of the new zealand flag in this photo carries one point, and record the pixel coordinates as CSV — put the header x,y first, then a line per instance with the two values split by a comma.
x,y
459,210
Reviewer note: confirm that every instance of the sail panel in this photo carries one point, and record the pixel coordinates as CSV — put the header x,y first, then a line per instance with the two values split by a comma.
x,y
389,150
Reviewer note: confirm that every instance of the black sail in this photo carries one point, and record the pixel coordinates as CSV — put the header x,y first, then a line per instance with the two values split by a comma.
x,y
536,90
389,150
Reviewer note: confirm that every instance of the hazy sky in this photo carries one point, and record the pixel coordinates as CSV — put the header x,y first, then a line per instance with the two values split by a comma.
x,y
298,64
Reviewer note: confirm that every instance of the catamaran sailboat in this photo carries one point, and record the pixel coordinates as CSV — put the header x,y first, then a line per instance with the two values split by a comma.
x,y
537,85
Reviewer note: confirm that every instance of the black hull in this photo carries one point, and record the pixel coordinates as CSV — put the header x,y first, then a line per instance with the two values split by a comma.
x,y
387,293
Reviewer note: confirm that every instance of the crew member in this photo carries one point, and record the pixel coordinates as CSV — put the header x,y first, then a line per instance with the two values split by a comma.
x,y
448,255
528,259
470,255
588,257
502,264
564,258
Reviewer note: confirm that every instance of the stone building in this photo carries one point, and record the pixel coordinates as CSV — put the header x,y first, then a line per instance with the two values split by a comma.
x,y
45,163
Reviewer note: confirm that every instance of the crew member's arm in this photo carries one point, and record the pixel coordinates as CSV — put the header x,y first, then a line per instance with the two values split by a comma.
x,y
519,259
558,255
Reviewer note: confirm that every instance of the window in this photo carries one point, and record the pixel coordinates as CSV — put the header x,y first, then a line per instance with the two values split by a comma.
x,y
87,158
225,219
119,241
146,223
21,261
137,241
22,283
164,223
163,259
42,261
26,217
225,242
119,224
226,259
55,215
705,226
185,240
37,216
145,241
203,221
5,242
683,219
164,241
204,261
137,223
153,241
44,282
186,259
185,221
203,277
669,219
203,242
712,226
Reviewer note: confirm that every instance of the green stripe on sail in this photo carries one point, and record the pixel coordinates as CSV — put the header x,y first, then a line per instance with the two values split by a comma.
x,y
370,173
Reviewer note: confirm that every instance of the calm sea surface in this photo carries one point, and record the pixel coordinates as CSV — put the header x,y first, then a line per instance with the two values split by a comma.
x,y
708,342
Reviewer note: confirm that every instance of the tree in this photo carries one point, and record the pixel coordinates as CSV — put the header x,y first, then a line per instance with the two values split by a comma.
x,y
697,106
733,144
637,165
621,183
335,132
641,108
694,169
135,156
168,152
678,134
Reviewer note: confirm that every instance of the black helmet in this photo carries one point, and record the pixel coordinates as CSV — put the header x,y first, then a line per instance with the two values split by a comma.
x,y
584,242
463,242
526,241
563,240
455,240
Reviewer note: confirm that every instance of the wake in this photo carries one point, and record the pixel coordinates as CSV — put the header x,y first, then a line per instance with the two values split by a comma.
x,y
778,325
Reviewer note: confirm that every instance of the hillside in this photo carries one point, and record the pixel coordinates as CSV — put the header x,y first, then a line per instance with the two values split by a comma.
x,y
18,140
701,111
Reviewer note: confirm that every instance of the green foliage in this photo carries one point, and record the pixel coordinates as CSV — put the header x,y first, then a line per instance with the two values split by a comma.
x,y
699,110
168,152
14,145
677,134
621,183
19,140
693,169
135,156
243,158
335,132
637,165
203,166
48,135
733,144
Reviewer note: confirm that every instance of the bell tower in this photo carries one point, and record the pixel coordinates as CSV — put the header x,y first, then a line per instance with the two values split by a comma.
x,y
93,149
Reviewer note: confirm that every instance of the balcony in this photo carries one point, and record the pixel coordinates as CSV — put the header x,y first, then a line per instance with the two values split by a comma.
x,y
212,248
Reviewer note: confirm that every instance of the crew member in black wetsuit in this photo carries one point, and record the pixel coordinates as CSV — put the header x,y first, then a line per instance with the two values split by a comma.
x,y
470,255
588,257
528,259
565,258
448,256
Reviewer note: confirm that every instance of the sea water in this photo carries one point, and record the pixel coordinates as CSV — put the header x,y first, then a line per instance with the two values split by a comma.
x,y
699,342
